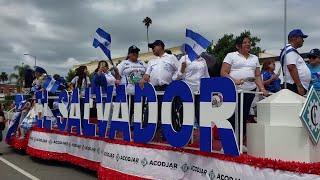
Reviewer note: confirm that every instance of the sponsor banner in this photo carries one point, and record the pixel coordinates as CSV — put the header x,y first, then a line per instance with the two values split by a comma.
x,y
153,163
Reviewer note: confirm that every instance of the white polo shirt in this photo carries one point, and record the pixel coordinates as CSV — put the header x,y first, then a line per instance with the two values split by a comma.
x,y
242,68
303,70
131,73
195,70
162,69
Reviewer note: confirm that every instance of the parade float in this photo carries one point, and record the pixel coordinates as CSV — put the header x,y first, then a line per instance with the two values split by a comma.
x,y
281,145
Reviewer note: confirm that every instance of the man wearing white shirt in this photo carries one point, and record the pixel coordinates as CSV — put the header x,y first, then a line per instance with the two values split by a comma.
x,y
160,71
296,72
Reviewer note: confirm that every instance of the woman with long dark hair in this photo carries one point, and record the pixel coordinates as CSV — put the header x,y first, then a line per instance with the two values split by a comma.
x,y
81,79
102,75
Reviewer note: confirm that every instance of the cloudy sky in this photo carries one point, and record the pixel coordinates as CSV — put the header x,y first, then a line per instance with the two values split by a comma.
x,y
60,32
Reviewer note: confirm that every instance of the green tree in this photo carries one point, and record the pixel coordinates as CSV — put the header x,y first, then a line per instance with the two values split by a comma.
x,y
227,44
71,74
19,76
3,77
147,22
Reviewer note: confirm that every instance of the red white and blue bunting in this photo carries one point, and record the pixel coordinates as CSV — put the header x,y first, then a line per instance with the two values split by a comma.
x,y
113,159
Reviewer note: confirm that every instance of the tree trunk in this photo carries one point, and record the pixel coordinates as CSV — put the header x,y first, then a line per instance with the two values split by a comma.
x,y
148,38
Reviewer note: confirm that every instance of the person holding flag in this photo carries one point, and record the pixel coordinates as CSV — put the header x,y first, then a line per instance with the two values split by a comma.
x,y
192,66
102,39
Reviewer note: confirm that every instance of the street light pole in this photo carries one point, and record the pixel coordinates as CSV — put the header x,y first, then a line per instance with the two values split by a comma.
x,y
35,58
285,41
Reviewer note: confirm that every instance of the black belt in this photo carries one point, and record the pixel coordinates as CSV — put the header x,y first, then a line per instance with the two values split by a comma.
x,y
161,88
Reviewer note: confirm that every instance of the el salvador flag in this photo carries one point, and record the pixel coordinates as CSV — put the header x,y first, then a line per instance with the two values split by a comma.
x,y
51,85
195,45
103,40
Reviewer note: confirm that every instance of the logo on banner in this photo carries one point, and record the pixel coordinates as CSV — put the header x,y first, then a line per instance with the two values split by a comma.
x,y
117,157
144,162
211,175
310,115
185,167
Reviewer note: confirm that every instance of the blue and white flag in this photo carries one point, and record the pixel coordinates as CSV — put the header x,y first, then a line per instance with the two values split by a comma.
x,y
102,39
19,100
51,85
195,45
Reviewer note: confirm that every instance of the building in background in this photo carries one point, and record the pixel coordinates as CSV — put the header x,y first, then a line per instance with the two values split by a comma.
x,y
92,65
7,90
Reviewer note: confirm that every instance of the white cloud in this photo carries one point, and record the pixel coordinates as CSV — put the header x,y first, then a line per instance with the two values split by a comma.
x,y
60,34
113,7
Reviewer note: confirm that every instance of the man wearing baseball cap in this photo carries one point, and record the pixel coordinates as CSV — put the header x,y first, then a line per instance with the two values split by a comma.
x,y
160,70
297,75
314,66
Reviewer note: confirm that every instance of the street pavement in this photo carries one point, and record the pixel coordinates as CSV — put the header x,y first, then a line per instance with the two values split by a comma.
x,y
17,165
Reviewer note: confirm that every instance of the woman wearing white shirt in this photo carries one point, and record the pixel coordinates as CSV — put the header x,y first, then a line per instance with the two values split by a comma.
x,y
191,72
244,69
131,72
81,80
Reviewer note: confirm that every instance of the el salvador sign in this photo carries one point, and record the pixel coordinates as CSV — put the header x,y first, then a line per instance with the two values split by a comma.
x,y
108,107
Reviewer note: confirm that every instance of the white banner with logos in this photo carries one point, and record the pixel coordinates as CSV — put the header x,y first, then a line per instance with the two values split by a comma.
x,y
155,163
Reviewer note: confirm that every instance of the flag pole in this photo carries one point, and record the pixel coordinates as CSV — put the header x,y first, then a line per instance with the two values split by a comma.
x,y
285,42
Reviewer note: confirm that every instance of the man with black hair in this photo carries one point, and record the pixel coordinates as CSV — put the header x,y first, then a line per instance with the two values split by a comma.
x,y
160,70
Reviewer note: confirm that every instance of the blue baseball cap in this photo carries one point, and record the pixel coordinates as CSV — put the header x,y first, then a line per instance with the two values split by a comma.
x,y
314,53
297,33
40,70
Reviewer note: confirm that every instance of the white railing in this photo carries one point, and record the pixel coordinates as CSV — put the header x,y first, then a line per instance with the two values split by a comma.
x,y
240,136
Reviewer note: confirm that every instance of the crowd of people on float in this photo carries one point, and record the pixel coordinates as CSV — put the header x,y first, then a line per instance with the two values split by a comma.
x,y
241,66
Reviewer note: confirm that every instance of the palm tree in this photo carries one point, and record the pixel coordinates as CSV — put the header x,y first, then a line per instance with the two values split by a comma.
x,y
3,77
147,22
20,75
